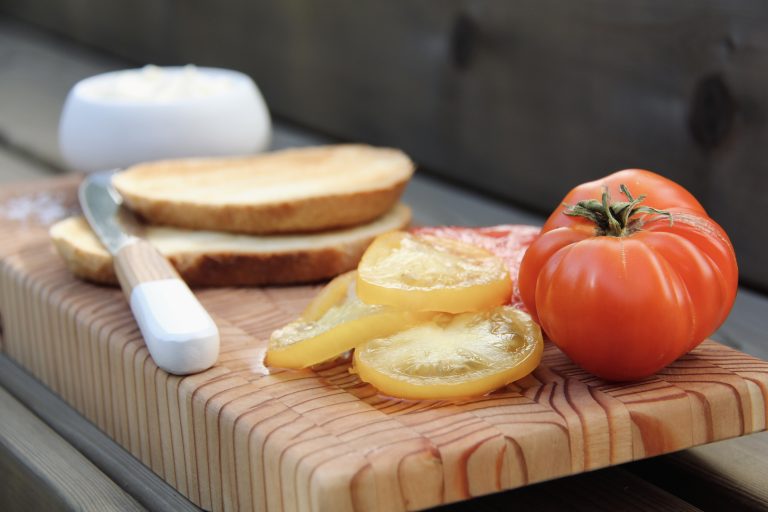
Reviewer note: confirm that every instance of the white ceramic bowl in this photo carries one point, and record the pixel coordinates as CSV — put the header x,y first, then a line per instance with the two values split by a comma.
x,y
100,129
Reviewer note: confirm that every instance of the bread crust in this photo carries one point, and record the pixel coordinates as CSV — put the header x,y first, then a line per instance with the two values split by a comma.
x,y
294,191
309,262
232,269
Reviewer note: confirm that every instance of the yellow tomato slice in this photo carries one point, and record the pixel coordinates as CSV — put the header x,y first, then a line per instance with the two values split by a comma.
x,y
453,356
332,294
335,322
428,273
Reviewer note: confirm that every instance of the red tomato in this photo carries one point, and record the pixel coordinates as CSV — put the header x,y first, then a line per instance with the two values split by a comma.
x,y
625,297
508,242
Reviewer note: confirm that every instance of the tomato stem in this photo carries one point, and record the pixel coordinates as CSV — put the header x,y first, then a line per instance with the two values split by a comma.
x,y
614,218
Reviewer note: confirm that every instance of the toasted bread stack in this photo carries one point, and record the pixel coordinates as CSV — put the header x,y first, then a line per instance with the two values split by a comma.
x,y
291,216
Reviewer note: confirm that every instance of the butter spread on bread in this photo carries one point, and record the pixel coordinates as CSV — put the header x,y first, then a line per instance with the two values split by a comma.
x,y
294,190
209,258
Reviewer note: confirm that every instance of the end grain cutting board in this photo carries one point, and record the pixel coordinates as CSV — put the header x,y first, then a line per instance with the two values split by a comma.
x,y
243,437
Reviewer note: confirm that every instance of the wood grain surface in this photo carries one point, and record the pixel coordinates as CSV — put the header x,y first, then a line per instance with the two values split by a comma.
x,y
244,437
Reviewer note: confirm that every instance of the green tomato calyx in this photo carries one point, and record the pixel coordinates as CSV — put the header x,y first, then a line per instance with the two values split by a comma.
x,y
617,218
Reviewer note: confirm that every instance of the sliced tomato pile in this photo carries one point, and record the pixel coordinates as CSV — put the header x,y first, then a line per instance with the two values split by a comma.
x,y
425,315
334,323
507,241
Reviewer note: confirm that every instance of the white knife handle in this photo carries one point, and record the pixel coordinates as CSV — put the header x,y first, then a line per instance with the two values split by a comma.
x,y
180,335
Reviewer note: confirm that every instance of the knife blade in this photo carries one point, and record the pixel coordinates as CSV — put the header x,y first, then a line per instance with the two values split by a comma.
x,y
181,336
103,208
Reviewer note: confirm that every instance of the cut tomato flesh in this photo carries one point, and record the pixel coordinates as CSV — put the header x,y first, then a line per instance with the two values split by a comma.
x,y
428,273
452,356
335,322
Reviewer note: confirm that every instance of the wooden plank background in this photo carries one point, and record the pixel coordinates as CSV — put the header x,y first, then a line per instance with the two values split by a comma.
x,y
521,100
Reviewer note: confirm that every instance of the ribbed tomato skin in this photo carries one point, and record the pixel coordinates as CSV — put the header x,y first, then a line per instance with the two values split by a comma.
x,y
624,307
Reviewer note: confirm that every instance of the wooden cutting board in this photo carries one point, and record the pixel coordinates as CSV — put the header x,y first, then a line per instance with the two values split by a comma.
x,y
244,437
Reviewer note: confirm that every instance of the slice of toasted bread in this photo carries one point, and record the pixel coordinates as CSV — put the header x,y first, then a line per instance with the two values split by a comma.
x,y
295,190
208,258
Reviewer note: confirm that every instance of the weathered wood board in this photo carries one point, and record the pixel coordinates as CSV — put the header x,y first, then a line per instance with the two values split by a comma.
x,y
244,437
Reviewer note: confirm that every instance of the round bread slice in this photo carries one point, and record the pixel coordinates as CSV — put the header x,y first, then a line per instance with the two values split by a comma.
x,y
289,191
208,258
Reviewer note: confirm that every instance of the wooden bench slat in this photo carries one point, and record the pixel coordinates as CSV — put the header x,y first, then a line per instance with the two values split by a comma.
x,y
607,490
41,471
729,475
89,443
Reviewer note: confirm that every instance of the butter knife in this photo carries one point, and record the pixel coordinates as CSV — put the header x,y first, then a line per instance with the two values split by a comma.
x,y
181,336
